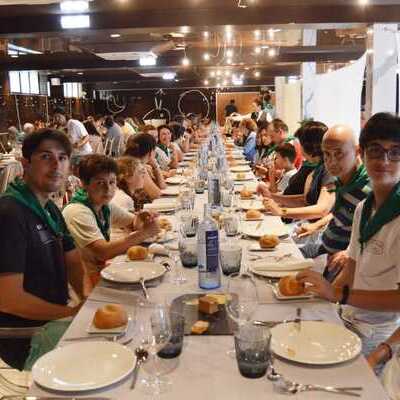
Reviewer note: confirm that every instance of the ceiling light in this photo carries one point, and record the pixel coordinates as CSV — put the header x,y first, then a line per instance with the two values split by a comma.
x,y
272,52
115,35
218,85
219,73
185,29
257,74
228,32
257,50
225,82
242,4
370,31
229,61
363,2
148,60
292,79
237,80
227,73
74,6
212,74
206,82
206,34
169,76
75,21
206,57
229,53
271,33
185,61
80,73
370,51
330,69
257,34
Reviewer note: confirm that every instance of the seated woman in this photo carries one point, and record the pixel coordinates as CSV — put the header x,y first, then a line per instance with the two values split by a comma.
x,y
316,200
166,154
95,139
248,128
89,216
142,147
263,144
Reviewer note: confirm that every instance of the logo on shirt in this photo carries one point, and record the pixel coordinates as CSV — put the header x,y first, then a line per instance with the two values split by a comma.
x,y
375,247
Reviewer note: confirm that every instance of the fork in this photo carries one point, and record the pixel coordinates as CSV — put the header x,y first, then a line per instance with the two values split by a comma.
x,y
109,338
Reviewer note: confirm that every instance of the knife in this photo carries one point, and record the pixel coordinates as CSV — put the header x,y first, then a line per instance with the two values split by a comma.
x,y
271,324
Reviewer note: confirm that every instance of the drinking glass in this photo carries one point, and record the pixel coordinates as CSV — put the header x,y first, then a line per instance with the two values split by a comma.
x,y
188,252
252,350
154,332
231,223
174,347
231,256
242,300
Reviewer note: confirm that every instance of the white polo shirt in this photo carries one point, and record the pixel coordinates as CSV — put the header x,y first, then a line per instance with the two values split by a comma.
x,y
378,266
76,132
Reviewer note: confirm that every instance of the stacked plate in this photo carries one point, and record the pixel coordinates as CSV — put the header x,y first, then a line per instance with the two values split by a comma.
x,y
132,271
277,267
161,205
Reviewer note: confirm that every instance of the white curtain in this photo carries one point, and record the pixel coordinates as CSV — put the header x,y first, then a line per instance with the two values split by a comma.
x,y
337,96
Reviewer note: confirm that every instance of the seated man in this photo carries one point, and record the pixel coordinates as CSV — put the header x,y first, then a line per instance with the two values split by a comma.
x,y
369,281
38,255
342,160
90,215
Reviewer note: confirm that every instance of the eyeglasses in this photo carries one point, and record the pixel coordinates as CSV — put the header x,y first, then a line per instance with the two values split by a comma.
x,y
376,151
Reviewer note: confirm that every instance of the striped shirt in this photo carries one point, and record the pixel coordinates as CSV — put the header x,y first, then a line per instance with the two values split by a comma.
x,y
336,236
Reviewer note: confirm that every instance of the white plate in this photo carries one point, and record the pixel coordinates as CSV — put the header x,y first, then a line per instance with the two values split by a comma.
x,y
268,227
164,238
161,205
83,366
279,296
269,263
273,274
131,272
175,180
251,205
170,191
241,168
316,343
247,177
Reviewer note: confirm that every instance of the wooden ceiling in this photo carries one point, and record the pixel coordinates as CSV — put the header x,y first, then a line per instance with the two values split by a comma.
x,y
174,29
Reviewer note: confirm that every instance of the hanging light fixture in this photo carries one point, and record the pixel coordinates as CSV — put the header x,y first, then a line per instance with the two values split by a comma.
x,y
242,4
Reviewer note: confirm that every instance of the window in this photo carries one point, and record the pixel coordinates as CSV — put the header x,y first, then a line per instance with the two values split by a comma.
x,y
73,89
26,82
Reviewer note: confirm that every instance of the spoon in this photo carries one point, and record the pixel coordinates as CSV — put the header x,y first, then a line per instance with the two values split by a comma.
x,y
141,357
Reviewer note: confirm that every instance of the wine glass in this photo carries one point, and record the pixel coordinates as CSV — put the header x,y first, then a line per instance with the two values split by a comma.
x,y
154,332
242,300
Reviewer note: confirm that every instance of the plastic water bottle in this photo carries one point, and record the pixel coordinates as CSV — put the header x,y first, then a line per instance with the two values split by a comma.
x,y
208,252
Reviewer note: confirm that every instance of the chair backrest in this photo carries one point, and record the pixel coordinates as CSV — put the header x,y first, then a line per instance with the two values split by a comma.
x,y
108,147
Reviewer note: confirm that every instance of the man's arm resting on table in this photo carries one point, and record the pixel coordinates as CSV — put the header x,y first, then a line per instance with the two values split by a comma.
x,y
16,301
77,276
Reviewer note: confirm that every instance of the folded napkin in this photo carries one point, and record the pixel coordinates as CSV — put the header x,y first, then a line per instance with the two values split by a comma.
x,y
391,377
291,264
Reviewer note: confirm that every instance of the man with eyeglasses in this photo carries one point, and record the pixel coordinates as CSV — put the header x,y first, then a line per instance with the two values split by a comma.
x,y
342,160
369,282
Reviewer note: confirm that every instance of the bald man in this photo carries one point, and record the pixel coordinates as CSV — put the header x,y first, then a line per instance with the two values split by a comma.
x,y
342,160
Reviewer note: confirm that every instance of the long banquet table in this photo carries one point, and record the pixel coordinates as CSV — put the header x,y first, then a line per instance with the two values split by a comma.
x,y
205,370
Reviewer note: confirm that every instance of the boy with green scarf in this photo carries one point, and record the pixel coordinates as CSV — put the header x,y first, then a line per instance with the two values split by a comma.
x,y
369,281
90,216
39,257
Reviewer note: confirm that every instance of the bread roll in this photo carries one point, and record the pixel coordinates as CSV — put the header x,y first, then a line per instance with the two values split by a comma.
x,y
199,327
165,224
268,241
136,253
246,194
290,286
110,316
253,214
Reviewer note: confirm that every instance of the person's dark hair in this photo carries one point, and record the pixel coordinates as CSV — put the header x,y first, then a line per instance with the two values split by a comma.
x,y
177,130
91,129
120,121
262,125
287,150
249,124
278,124
310,137
78,117
147,128
381,126
59,110
258,102
267,96
140,145
33,141
95,164
232,101
109,121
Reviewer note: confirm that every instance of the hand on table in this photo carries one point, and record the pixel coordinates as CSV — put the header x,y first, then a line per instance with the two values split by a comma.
x,y
318,285
263,190
306,229
151,228
143,218
273,207
337,261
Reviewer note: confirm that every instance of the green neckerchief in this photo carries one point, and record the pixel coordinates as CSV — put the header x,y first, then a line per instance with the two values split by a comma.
x,y
310,164
49,214
274,146
359,179
164,148
387,212
81,196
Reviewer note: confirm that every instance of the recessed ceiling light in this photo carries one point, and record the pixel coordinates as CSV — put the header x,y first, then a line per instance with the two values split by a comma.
x,y
185,61
257,33
169,76
212,74
257,74
272,52
206,34
148,61
257,50
219,73
74,6
229,53
115,35
80,73
206,57
75,21
229,61
227,73
225,82
363,2
185,29
206,82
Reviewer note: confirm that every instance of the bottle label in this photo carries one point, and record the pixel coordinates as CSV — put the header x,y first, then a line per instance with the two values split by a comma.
x,y
212,248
